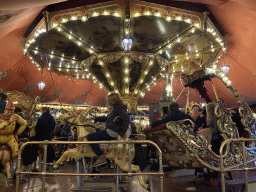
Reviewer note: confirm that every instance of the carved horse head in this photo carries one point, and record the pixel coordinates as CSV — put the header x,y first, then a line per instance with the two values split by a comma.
x,y
80,119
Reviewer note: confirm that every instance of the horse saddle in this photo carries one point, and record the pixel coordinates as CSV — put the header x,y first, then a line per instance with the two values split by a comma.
x,y
106,148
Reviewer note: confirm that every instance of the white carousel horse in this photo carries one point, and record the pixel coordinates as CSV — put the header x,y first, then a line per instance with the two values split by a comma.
x,y
119,153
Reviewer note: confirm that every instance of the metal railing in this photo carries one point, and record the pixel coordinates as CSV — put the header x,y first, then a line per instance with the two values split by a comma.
x,y
130,174
245,168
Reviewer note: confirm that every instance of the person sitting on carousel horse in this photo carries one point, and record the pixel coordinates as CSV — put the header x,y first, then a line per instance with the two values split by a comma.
x,y
117,123
7,127
3,97
174,115
200,123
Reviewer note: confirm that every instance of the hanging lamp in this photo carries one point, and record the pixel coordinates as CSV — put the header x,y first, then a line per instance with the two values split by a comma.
x,y
225,69
127,43
41,84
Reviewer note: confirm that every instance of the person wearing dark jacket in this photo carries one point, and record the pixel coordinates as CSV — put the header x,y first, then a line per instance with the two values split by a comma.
x,y
65,129
174,115
44,131
117,122
45,126
200,123
3,97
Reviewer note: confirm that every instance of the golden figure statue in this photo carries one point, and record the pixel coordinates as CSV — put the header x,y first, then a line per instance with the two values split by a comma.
x,y
7,126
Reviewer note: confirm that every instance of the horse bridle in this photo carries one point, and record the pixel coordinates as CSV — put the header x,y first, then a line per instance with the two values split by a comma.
x,y
75,115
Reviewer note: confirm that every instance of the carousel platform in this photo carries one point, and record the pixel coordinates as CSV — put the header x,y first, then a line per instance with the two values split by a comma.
x,y
33,183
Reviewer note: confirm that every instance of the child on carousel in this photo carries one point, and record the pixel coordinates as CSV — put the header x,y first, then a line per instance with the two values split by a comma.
x,y
117,123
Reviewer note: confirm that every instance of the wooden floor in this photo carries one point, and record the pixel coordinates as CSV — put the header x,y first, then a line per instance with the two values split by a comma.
x,y
65,183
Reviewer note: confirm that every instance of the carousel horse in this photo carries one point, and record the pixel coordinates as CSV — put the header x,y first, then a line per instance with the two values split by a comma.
x,y
117,152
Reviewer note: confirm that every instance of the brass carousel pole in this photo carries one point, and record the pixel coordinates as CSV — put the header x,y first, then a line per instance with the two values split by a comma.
x,y
215,91
180,94
187,104
55,85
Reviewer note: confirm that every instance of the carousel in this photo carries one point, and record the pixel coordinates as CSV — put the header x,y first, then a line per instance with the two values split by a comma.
x,y
127,46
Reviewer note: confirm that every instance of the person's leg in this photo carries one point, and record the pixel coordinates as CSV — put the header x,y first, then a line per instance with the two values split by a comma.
x,y
61,146
97,136
50,154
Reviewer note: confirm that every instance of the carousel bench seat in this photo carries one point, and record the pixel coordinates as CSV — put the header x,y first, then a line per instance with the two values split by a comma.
x,y
157,128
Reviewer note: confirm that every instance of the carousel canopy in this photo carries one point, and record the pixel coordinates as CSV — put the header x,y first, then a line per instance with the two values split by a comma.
x,y
83,50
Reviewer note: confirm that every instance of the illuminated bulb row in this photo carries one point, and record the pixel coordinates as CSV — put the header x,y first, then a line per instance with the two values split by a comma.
x,y
153,79
79,107
143,108
85,18
35,63
126,76
167,18
215,70
36,34
66,107
217,60
210,30
70,36
218,38
109,78
28,44
127,30
142,77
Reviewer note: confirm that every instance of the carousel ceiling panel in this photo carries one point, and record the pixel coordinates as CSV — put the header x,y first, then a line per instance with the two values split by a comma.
x,y
117,73
72,67
57,44
193,42
102,33
136,69
151,33
98,71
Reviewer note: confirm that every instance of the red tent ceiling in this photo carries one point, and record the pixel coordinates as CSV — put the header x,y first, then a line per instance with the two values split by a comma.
x,y
237,18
